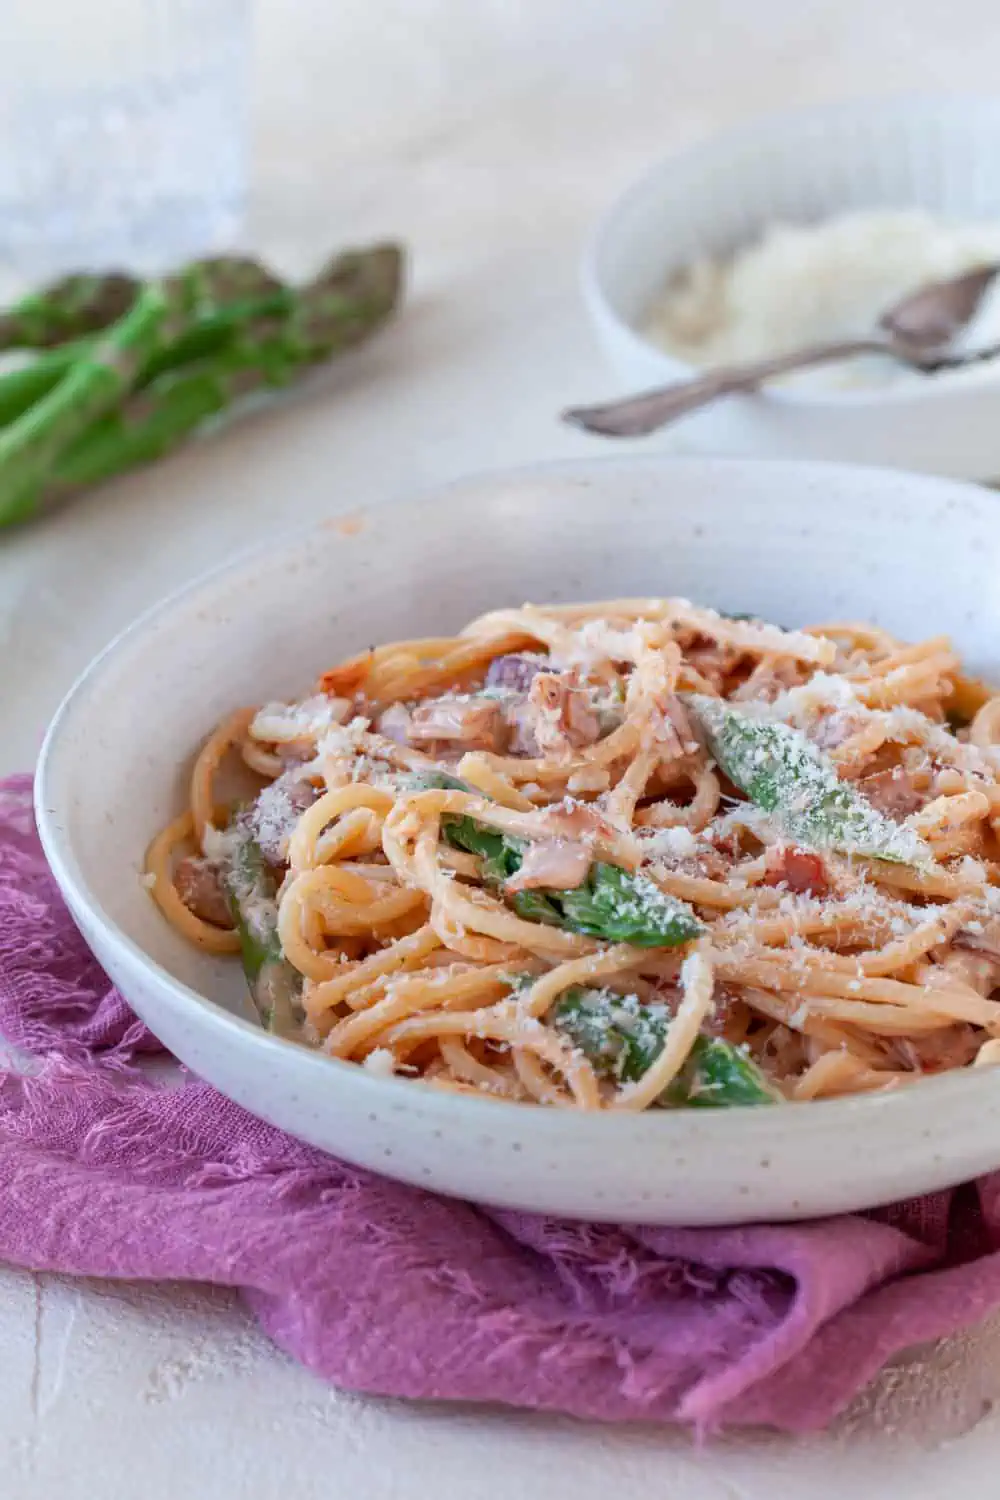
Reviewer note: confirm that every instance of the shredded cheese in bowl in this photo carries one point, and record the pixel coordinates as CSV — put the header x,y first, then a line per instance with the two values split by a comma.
x,y
801,284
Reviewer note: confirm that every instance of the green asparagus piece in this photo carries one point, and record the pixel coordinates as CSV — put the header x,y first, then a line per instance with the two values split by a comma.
x,y
78,305
21,388
217,295
611,904
275,986
623,1038
232,298
781,771
208,285
67,309
94,384
621,908
145,428
350,299
620,1036
718,1075
440,781
499,856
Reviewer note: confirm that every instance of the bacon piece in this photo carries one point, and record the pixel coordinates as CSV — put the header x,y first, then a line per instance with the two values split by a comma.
x,y
515,672
574,820
833,726
394,723
767,681
937,1052
473,722
555,718
712,863
986,942
674,730
712,660
198,886
558,864
893,792
975,958
799,869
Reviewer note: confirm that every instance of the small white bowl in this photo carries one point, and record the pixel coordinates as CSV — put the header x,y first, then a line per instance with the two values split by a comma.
x,y
793,542
940,155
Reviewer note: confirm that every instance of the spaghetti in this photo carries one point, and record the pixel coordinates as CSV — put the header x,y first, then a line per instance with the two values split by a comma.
x,y
614,856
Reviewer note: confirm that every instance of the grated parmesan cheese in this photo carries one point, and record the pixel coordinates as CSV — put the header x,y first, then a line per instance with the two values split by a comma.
x,y
277,722
756,635
804,283
380,1062
273,819
670,844
343,739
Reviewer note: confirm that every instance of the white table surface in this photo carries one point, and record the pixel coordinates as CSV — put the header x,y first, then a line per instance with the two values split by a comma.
x,y
488,136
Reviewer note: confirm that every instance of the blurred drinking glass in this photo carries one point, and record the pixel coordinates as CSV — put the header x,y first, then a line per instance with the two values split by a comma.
x,y
123,132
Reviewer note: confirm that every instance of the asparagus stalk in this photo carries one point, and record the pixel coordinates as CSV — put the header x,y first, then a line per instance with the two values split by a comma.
x,y
611,904
21,388
206,285
781,771
275,986
616,907
423,781
718,1075
217,294
346,303
78,305
67,309
91,387
623,1038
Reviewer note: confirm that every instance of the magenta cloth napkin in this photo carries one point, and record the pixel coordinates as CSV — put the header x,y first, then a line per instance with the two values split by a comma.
x,y
386,1289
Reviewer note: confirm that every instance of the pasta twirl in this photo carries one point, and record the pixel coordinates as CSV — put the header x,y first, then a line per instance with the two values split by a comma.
x,y
627,854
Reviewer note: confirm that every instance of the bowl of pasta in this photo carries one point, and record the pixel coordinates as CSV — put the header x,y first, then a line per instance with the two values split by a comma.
x,y
617,839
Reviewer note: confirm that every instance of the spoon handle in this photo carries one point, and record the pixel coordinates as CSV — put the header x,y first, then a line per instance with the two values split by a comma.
x,y
637,416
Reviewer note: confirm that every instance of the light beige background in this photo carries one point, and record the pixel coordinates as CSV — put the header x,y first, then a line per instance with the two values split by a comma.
x,y
488,135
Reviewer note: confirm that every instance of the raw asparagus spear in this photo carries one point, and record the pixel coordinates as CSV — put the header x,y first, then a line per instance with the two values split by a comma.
x,y
220,295
275,986
350,300
611,904
66,309
204,286
623,1038
212,333
77,305
31,445
20,388
781,771
241,307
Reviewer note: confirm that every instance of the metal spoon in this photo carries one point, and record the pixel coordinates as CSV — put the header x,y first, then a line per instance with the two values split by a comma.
x,y
916,331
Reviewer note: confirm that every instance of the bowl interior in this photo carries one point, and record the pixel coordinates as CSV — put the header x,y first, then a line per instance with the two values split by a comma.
x,y
941,155
795,543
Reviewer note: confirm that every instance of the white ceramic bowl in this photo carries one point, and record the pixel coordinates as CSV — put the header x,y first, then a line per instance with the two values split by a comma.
x,y
793,542
942,155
